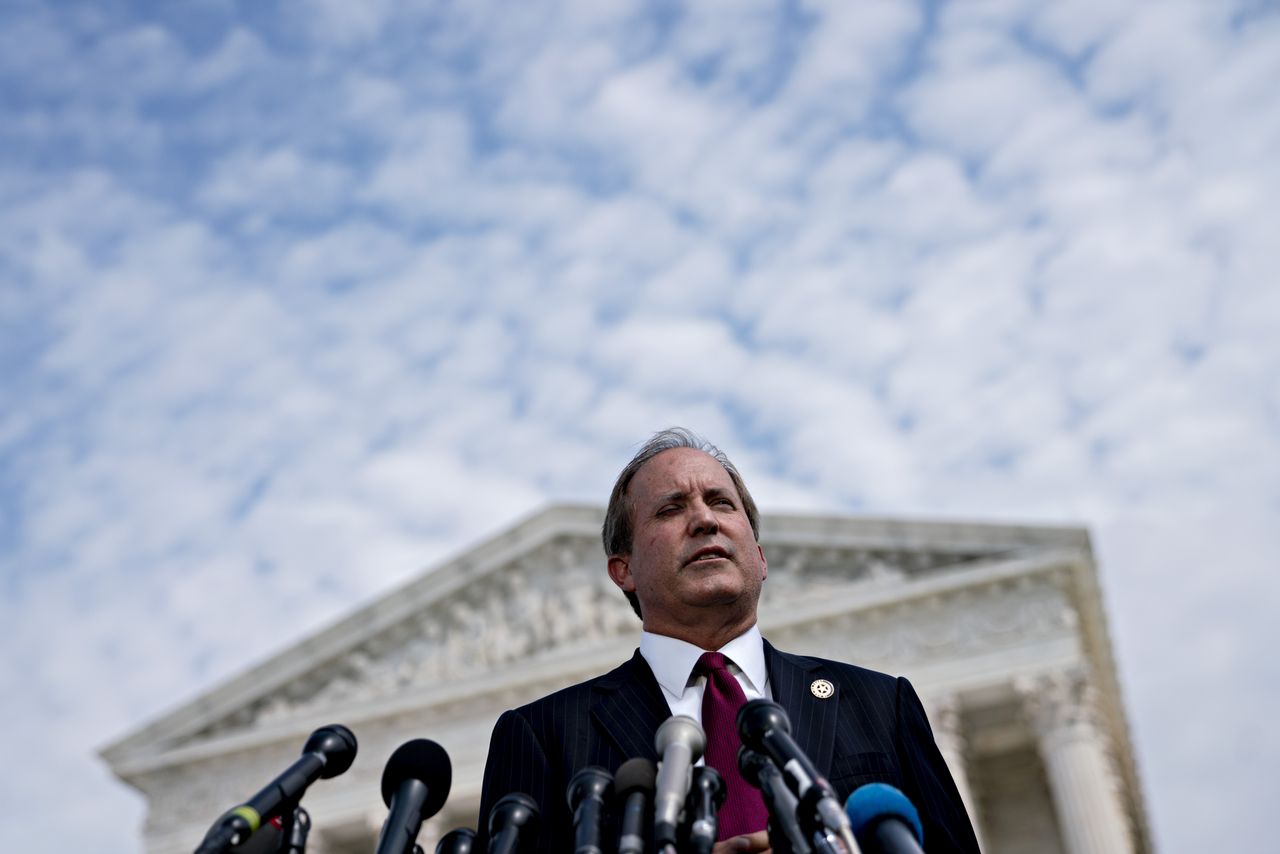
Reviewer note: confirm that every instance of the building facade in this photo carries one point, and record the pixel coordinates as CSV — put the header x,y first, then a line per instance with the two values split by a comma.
x,y
1000,628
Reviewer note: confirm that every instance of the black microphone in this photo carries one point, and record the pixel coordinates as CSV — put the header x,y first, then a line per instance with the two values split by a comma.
x,y
764,727
586,796
680,742
511,816
634,784
415,785
328,752
459,841
785,835
268,839
884,820
706,795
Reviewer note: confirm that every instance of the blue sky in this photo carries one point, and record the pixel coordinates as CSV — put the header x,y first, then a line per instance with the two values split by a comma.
x,y
296,300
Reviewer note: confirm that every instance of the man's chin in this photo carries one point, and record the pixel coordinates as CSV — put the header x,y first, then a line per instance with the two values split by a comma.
x,y
728,594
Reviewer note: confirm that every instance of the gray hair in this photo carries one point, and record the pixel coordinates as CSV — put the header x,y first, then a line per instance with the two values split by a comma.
x,y
618,530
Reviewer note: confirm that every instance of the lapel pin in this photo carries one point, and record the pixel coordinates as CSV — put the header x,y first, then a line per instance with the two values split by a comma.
x,y
821,688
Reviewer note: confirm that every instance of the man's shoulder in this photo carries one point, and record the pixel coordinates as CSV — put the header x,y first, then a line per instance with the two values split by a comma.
x,y
579,693
843,670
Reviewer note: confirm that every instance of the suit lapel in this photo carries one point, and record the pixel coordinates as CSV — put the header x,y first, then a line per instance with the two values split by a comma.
x,y
628,708
813,719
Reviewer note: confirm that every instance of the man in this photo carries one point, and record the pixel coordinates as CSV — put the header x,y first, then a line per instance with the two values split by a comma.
x,y
681,533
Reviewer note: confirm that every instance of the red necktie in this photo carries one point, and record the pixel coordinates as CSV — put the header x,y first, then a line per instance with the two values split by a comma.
x,y
744,810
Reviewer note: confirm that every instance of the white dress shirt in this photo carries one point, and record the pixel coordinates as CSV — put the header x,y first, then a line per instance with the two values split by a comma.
x,y
672,662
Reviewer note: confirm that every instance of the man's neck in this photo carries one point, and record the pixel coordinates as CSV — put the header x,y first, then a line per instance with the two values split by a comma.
x,y
710,638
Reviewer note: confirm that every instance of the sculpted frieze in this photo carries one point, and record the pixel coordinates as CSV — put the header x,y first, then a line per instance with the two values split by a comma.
x,y
558,596
804,566
555,596
938,627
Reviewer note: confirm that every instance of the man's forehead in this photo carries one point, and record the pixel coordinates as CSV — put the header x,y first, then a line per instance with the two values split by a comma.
x,y
677,470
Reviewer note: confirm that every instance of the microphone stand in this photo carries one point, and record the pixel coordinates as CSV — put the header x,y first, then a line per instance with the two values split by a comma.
x,y
295,825
827,842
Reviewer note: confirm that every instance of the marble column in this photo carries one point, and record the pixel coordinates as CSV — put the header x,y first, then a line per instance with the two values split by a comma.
x,y
948,732
1062,708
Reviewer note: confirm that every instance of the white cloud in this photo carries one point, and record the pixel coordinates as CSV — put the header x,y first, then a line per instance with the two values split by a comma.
x,y
669,357
240,54
849,50
342,24
982,90
650,107
283,180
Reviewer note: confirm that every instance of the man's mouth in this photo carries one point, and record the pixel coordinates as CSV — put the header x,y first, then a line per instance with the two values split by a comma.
x,y
709,553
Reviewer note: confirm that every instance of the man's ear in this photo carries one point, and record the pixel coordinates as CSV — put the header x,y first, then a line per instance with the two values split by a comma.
x,y
620,572
764,564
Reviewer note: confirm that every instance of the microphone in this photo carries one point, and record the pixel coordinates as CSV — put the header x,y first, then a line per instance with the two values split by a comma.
x,y
680,742
764,727
586,795
884,820
328,752
785,835
706,795
511,816
634,784
269,839
459,841
415,785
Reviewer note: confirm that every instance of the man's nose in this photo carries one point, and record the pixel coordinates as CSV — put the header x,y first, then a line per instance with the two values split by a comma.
x,y
702,520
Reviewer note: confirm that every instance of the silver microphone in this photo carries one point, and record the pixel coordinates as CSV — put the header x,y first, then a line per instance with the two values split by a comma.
x,y
680,742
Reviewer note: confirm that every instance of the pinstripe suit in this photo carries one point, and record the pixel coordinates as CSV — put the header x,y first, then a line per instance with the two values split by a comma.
x,y
872,729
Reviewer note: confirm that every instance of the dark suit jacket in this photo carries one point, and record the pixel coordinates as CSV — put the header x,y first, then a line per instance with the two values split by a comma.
x,y
872,729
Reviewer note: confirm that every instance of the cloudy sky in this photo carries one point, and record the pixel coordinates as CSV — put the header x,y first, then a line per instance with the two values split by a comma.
x,y
298,299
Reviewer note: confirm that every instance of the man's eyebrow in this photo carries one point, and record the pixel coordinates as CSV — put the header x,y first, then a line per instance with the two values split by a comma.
x,y
681,494
675,495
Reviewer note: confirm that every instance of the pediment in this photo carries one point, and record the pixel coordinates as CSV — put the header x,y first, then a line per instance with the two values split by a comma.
x,y
539,591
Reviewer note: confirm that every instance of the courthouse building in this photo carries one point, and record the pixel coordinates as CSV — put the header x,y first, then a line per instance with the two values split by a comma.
x,y
1001,629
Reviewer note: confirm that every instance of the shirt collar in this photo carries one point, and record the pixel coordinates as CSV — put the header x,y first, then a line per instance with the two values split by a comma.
x,y
672,660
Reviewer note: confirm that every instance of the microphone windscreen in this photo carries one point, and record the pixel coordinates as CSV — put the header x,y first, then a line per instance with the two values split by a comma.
x,y
877,801
591,782
459,841
707,778
420,759
337,744
758,717
681,729
750,764
635,775
514,809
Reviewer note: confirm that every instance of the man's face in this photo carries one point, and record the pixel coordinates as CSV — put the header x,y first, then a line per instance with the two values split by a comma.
x,y
694,558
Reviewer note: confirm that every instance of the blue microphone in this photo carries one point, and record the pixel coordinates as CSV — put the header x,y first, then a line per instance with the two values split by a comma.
x,y
884,820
